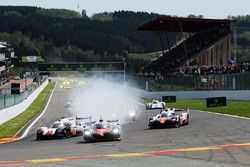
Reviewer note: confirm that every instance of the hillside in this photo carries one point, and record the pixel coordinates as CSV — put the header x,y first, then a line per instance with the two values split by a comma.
x,y
242,27
56,34
61,35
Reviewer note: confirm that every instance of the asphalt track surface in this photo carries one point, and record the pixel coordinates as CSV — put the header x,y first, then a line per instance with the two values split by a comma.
x,y
204,130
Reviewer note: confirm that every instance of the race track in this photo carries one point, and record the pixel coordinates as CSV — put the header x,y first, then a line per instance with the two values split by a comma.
x,y
205,130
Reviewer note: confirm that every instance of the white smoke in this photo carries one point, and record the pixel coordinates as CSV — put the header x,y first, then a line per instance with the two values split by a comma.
x,y
104,99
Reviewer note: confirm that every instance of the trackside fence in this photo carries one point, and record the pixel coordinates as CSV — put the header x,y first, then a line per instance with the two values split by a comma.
x,y
235,81
8,100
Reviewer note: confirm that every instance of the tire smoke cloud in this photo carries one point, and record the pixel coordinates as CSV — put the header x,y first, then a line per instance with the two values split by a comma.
x,y
104,99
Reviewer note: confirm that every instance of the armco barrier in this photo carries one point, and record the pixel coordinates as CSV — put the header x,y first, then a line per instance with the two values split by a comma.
x,y
234,81
7,99
229,94
11,112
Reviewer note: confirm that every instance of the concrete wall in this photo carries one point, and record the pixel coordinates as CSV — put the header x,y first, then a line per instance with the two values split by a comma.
x,y
11,112
230,94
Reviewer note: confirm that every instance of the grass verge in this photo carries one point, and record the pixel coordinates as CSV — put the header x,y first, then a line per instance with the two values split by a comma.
x,y
11,127
234,107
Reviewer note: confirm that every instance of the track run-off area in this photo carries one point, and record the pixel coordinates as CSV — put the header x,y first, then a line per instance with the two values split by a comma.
x,y
209,140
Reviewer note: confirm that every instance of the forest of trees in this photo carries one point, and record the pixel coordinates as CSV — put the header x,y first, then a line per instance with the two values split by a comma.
x,y
44,31
64,35
242,28
61,35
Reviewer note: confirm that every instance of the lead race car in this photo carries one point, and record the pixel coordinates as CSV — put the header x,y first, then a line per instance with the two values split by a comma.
x,y
103,131
63,128
155,104
169,118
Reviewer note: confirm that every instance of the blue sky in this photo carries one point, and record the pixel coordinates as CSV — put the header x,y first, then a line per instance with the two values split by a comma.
x,y
209,8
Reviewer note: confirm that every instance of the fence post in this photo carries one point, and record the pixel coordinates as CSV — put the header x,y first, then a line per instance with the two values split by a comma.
x,y
14,99
147,86
233,83
4,101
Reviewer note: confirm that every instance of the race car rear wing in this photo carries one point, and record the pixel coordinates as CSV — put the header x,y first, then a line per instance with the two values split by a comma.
x,y
112,121
83,118
179,110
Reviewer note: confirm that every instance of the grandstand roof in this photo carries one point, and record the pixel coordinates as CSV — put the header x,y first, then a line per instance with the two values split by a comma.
x,y
180,24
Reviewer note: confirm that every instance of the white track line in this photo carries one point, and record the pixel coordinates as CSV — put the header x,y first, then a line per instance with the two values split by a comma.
x,y
44,110
221,114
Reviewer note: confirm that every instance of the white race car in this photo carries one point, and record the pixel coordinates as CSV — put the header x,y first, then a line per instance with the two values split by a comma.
x,y
155,104
130,113
63,128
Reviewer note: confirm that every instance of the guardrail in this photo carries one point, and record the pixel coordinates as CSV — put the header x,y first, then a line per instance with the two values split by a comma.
x,y
8,100
235,81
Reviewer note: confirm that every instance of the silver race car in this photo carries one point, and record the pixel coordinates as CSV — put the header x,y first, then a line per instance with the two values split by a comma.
x,y
155,104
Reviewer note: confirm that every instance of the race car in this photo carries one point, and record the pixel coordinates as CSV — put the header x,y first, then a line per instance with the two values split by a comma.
x,y
69,104
103,131
129,114
78,83
155,104
84,122
126,116
169,118
63,128
65,85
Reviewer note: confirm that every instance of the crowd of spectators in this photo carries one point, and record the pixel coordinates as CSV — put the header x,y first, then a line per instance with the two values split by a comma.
x,y
186,50
213,69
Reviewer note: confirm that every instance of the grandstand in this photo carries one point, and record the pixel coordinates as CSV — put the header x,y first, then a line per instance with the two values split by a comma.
x,y
6,61
204,42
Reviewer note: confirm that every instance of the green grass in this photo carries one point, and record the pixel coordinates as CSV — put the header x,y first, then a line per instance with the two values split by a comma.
x,y
234,107
11,127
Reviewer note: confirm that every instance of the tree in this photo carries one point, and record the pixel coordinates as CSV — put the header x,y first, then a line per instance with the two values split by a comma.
x,y
84,13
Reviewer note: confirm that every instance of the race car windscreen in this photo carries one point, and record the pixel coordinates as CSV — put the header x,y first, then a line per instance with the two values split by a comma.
x,y
166,114
57,125
101,126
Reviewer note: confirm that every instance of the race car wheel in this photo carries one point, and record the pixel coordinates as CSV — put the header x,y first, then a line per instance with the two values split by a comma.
x,y
87,141
177,124
150,127
134,119
66,133
187,120
163,105
38,137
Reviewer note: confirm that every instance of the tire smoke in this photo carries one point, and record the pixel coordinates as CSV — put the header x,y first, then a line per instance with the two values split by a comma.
x,y
103,99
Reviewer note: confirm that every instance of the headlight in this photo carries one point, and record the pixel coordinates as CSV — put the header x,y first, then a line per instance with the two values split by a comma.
x,y
87,133
131,114
116,130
